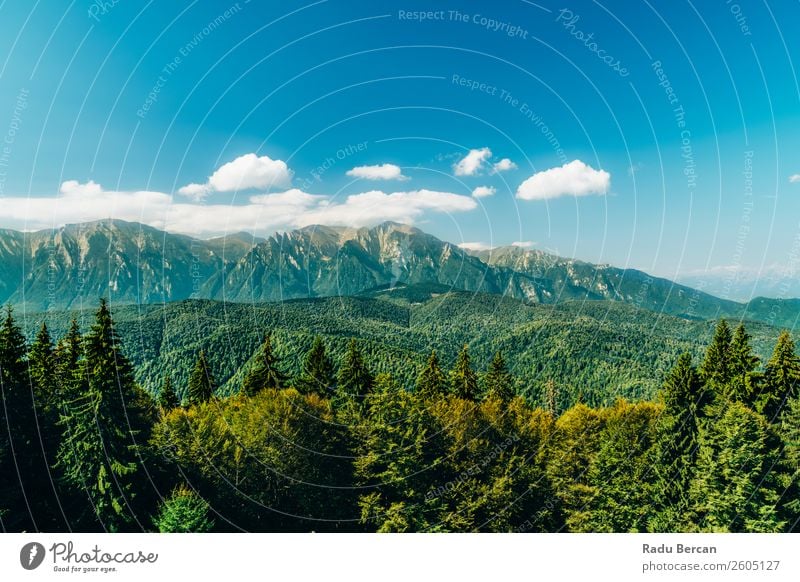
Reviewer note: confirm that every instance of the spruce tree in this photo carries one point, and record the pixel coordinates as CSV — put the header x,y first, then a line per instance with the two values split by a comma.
x,y
168,398
781,378
104,428
317,375
743,365
716,370
463,380
184,512
42,370
735,487
265,373
675,446
432,381
202,384
790,435
355,380
498,380
17,429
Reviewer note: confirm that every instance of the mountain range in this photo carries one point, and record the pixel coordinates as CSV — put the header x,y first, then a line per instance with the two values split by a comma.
x,y
130,263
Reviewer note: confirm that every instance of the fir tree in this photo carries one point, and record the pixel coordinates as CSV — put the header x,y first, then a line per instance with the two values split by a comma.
x,y
42,370
463,380
17,429
675,447
265,373
734,488
743,364
790,435
552,398
168,398
103,428
355,380
499,382
781,378
184,512
202,384
317,376
432,381
716,367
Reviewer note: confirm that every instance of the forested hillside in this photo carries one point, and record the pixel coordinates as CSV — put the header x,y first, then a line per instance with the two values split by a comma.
x,y
337,442
594,350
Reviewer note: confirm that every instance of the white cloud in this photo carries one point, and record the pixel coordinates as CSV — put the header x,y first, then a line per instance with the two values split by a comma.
x,y
483,191
376,206
523,244
503,166
572,179
262,214
472,163
244,173
475,246
794,178
378,172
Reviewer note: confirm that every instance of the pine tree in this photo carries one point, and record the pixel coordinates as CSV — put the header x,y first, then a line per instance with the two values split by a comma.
x,y
317,376
432,381
104,428
551,398
716,367
17,429
265,373
184,512
498,380
734,488
781,378
202,384
168,398
463,380
675,446
42,370
355,380
743,364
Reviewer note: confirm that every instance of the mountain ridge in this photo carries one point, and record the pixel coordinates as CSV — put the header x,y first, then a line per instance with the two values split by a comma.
x,y
134,263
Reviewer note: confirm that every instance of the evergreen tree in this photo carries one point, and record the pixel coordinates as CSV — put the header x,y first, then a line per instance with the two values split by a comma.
x,y
355,380
265,373
17,432
716,367
184,512
317,376
781,378
743,365
790,435
103,428
735,488
168,398
42,370
432,381
675,446
552,400
498,380
202,384
463,380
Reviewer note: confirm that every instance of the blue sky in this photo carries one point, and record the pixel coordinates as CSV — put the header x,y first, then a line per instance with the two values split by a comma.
x,y
683,118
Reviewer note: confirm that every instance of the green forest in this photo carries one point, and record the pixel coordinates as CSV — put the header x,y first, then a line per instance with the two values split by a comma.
x,y
330,434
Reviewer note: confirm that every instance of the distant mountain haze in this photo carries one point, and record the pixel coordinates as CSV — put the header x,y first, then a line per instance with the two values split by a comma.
x,y
72,266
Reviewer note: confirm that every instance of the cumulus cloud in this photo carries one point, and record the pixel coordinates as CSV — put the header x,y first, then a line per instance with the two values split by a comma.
x,y
244,173
376,206
504,165
472,163
262,214
572,179
475,246
483,191
794,178
523,244
378,172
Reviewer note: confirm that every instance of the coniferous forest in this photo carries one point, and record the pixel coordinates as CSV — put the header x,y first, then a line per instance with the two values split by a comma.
x,y
331,441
